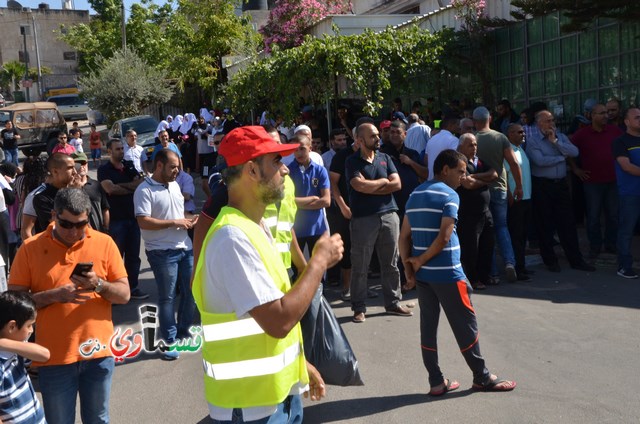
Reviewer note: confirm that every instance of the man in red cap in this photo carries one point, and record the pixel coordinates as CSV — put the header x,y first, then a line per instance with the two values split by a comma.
x,y
385,132
253,358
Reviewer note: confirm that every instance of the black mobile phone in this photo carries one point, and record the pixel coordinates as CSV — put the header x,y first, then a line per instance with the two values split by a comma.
x,y
81,268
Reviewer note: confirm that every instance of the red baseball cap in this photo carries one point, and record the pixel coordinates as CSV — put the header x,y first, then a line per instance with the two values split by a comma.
x,y
385,124
246,143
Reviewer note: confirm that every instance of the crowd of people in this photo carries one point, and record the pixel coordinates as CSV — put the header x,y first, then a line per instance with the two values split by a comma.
x,y
448,207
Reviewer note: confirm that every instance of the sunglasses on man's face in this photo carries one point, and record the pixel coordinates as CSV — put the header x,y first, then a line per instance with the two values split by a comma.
x,y
69,225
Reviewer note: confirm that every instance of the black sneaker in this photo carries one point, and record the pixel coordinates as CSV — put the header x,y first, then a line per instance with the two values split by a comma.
x,y
627,273
139,294
583,266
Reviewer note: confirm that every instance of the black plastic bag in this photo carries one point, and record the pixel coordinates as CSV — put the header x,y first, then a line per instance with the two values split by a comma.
x,y
326,346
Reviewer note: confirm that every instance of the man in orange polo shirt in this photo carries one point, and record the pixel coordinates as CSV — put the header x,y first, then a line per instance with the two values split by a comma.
x,y
73,309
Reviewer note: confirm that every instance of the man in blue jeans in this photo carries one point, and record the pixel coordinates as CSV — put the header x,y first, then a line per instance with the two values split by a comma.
x,y
119,179
9,140
494,149
626,151
159,209
74,308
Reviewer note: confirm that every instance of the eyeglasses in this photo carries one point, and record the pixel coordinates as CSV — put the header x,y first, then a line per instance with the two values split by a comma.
x,y
69,225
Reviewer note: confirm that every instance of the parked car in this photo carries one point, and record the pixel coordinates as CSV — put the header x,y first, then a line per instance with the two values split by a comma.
x,y
144,125
37,123
72,106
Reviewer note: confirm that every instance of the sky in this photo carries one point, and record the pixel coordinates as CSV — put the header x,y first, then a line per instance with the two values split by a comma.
x,y
57,4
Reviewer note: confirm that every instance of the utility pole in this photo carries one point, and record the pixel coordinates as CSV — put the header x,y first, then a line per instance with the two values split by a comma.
x,y
24,30
35,37
124,27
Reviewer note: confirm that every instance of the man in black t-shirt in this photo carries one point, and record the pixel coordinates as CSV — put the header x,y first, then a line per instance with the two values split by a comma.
x,y
372,179
9,139
475,225
62,171
119,179
99,216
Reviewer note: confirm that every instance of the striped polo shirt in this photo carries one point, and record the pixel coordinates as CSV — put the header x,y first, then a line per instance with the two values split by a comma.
x,y
427,205
18,400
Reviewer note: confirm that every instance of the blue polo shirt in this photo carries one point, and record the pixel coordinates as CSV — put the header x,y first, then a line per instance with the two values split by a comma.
x,y
363,204
309,182
628,146
428,204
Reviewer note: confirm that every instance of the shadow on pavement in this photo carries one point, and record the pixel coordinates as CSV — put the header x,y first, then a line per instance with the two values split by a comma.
x,y
341,410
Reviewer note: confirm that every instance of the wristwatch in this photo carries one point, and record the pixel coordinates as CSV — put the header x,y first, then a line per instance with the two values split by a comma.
x,y
100,286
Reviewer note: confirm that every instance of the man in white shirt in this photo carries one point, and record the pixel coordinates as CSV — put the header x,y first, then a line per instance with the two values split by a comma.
x,y
159,209
132,151
445,139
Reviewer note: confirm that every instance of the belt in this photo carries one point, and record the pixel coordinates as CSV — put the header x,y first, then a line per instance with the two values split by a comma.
x,y
551,180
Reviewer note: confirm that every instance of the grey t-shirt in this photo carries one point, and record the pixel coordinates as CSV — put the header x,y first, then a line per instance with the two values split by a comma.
x,y
161,202
491,146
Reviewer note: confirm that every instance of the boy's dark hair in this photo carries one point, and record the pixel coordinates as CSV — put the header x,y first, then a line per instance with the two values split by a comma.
x,y
18,306
448,157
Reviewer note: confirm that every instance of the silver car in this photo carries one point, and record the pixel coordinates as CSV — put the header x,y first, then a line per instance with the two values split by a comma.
x,y
144,125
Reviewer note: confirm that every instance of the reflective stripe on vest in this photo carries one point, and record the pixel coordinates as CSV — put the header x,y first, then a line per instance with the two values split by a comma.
x,y
231,330
243,365
252,367
280,221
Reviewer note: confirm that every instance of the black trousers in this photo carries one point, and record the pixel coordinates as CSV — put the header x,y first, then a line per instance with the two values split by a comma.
x,y
456,303
519,222
552,208
477,238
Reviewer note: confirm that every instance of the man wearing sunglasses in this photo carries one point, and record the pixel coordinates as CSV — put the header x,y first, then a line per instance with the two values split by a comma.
x,y
73,308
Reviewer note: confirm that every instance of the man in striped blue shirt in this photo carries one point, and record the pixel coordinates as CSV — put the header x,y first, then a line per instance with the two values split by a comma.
x,y
430,252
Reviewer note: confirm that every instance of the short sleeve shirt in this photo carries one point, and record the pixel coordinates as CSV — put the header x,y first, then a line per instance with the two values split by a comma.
x,y
161,202
363,204
627,146
309,182
428,204
63,327
491,147
121,205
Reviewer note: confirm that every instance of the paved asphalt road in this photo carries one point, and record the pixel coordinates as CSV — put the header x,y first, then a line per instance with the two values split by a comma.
x,y
571,340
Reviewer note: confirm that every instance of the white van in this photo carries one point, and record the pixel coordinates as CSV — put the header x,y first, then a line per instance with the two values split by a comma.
x,y
72,106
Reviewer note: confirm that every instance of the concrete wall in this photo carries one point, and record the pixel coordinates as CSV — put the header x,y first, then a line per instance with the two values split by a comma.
x,y
47,23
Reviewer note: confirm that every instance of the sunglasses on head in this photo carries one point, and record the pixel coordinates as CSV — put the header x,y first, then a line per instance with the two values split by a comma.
x,y
69,225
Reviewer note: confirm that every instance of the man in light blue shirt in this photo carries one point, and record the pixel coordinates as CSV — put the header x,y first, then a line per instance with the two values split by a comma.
x,y
519,213
551,196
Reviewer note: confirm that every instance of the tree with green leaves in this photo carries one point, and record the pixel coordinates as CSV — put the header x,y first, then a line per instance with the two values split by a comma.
x,y
371,63
185,38
124,84
581,13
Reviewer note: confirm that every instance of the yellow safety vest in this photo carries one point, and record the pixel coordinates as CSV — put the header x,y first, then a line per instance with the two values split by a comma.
x,y
280,221
245,367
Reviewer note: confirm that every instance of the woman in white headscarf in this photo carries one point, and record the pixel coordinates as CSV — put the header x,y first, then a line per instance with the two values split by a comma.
x,y
169,118
188,147
174,127
163,125
206,115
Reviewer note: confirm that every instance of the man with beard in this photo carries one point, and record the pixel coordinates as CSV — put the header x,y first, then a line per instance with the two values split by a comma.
x,y
159,209
373,178
250,313
62,171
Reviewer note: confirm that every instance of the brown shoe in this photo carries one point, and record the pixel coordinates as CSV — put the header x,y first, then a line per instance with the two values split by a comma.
x,y
359,317
400,311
